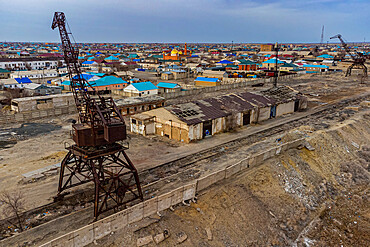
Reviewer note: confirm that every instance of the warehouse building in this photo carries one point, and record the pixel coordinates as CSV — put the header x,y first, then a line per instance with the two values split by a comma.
x,y
203,118
134,105
42,102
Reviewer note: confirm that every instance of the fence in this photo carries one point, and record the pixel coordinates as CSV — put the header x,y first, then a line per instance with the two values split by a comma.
x,y
33,115
99,229
239,83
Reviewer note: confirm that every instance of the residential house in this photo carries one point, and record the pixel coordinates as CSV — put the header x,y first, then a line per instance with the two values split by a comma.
x,y
288,67
4,74
41,89
315,68
247,65
15,82
207,82
168,87
271,63
141,89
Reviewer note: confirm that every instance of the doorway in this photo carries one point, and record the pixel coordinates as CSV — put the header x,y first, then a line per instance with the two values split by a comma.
x,y
246,118
273,111
207,129
296,105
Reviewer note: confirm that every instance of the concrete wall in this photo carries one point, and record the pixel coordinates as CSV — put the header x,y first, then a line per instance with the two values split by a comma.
x,y
99,229
264,113
218,125
33,115
284,108
196,132
230,83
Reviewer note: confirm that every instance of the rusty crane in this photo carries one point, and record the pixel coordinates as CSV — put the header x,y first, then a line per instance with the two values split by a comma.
x,y
357,57
97,155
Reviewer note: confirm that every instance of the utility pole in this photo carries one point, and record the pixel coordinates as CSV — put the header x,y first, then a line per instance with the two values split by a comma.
x,y
276,64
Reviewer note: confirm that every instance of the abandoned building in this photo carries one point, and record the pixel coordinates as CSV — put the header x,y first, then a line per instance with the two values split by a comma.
x,y
42,102
202,118
133,105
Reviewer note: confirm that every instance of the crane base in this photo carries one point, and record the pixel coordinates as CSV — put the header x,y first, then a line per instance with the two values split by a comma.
x,y
115,178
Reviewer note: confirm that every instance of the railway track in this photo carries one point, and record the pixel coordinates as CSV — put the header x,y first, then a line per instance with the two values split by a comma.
x,y
153,179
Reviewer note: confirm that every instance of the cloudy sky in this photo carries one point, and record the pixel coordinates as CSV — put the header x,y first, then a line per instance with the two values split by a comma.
x,y
187,20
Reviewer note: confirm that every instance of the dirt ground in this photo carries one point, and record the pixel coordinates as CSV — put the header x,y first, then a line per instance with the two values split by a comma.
x,y
44,143
300,198
33,146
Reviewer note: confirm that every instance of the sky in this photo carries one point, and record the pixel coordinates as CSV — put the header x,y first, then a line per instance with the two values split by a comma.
x,y
192,21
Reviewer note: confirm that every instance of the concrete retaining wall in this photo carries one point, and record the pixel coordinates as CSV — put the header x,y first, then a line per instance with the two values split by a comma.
x,y
86,235
33,115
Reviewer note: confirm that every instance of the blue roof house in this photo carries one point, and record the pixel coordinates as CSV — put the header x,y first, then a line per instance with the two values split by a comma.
x,y
167,87
141,89
325,56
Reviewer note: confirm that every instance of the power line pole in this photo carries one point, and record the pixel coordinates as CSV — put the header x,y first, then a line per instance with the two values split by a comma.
x,y
276,64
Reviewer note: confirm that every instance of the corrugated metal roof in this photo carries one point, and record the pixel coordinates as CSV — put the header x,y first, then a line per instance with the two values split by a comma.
x,y
144,86
206,79
168,85
281,94
221,106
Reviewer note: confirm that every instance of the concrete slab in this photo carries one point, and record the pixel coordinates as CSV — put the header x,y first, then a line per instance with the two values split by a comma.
x,y
41,170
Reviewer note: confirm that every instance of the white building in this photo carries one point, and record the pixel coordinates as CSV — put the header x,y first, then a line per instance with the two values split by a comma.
x,y
30,63
141,89
34,74
15,82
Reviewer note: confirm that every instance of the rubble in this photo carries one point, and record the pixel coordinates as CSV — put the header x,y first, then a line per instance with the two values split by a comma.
x,y
144,241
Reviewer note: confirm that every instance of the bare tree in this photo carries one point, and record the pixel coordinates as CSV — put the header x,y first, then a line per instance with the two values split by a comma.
x,y
12,204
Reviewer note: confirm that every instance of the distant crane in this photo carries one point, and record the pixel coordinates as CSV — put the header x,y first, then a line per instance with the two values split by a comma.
x,y
322,35
357,57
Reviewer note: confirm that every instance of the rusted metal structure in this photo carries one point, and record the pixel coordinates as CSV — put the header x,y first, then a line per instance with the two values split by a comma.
x,y
358,58
97,156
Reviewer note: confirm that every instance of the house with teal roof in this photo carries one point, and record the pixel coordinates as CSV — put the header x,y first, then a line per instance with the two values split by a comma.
x,y
141,89
168,87
271,63
325,56
111,59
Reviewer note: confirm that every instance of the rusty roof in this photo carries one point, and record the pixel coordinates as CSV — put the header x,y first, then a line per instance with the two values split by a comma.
x,y
217,107
281,94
